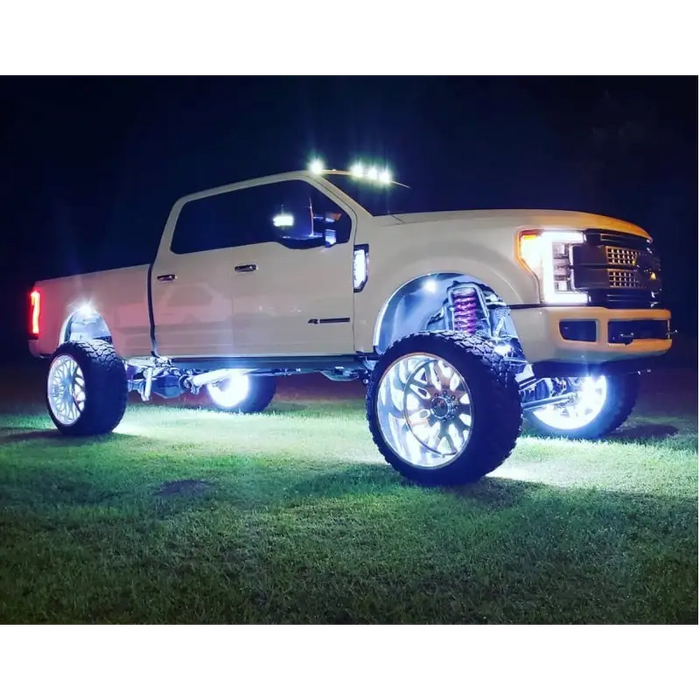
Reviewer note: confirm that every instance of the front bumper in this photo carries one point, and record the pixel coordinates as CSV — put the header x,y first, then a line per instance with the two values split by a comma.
x,y
540,333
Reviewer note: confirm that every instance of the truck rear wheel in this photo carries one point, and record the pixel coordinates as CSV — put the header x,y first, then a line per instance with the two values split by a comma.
x,y
443,407
598,406
86,388
243,393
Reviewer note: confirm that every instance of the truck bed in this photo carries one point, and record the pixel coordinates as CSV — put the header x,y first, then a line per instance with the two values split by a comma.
x,y
120,296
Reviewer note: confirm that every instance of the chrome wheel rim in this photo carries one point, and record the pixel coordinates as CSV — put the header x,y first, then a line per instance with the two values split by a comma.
x,y
582,410
424,410
66,390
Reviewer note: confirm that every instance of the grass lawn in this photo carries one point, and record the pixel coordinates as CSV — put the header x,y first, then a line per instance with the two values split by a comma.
x,y
193,516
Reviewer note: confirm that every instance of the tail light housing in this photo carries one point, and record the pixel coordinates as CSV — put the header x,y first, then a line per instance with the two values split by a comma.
x,y
34,313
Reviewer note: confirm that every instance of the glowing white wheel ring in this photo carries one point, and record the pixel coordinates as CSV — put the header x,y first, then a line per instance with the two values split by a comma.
x,y
66,390
591,395
230,392
424,410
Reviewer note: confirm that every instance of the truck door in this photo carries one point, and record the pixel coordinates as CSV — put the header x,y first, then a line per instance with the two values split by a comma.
x,y
256,271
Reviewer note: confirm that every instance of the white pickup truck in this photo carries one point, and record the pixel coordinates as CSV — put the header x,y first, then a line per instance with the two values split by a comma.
x,y
458,322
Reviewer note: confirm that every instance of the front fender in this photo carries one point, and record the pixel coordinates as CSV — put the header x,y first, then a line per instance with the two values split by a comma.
x,y
389,273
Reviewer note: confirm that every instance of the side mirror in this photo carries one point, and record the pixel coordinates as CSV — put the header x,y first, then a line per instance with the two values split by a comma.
x,y
298,227
329,238
328,224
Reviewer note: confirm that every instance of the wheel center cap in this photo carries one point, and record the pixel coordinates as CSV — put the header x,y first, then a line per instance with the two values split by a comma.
x,y
441,407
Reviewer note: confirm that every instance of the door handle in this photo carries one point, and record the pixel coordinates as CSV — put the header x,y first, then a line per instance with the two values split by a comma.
x,y
246,268
166,278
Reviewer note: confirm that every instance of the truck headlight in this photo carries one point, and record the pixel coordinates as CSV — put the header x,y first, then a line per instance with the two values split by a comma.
x,y
547,254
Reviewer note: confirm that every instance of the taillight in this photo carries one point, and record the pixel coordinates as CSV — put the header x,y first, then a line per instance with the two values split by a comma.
x,y
34,313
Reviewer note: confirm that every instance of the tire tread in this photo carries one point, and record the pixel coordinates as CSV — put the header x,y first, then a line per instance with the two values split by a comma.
x,y
106,389
490,376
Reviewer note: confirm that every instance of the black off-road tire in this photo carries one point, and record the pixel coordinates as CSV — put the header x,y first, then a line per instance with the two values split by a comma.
x,y
622,393
262,391
495,400
105,387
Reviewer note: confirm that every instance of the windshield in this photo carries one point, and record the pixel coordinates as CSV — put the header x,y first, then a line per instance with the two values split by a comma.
x,y
377,198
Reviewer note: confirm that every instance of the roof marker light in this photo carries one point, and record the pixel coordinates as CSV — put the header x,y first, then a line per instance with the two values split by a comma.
x,y
316,166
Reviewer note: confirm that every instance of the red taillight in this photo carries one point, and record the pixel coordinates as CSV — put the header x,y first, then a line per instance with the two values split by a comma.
x,y
35,313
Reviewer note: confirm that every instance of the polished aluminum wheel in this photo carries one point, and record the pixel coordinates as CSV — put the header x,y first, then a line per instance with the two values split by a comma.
x,y
66,390
590,395
425,410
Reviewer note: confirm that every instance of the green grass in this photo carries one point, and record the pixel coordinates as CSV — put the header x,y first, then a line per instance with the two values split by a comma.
x,y
191,516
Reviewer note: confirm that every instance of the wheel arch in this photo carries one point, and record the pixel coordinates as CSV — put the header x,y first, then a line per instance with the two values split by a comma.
x,y
85,323
407,309
507,280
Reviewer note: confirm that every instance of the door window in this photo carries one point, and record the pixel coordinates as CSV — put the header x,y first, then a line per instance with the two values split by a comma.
x,y
291,212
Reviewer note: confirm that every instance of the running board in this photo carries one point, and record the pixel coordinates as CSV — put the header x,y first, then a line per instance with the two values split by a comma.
x,y
272,365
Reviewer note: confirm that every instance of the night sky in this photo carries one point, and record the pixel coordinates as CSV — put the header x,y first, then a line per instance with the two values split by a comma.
x,y
91,166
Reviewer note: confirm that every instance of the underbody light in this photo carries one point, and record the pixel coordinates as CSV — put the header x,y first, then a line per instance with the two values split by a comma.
x,y
86,311
591,398
230,392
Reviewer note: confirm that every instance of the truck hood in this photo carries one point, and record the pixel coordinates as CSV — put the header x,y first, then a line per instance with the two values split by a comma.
x,y
498,218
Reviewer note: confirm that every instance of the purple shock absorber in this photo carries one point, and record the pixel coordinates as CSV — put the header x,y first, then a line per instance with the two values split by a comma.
x,y
464,313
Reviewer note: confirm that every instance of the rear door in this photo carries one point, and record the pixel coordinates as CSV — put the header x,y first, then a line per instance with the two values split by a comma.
x,y
191,285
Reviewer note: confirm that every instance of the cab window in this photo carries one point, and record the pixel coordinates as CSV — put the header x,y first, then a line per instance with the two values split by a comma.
x,y
292,213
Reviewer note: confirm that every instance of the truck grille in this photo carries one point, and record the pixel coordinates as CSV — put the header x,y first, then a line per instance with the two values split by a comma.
x,y
624,279
621,256
617,270
597,237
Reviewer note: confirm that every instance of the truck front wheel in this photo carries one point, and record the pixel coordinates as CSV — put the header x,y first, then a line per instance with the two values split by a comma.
x,y
243,393
86,388
443,408
596,405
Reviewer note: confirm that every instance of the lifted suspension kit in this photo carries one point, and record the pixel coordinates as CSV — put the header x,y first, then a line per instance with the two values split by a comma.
x,y
464,309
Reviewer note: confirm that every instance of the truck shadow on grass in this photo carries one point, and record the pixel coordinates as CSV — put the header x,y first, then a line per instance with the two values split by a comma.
x,y
368,479
54,438
647,434
312,408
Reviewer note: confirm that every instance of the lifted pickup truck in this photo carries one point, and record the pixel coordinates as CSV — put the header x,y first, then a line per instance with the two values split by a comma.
x,y
458,322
